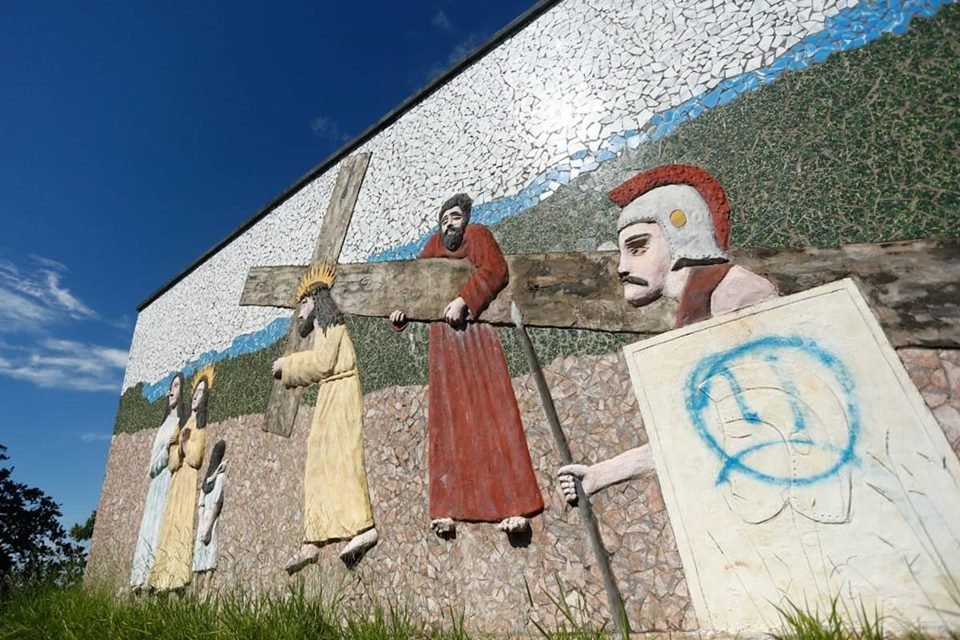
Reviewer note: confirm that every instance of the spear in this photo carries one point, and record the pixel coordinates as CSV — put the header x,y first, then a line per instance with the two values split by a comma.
x,y
614,600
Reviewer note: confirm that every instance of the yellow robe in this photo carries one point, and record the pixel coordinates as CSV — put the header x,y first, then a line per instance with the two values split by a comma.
x,y
336,501
173,566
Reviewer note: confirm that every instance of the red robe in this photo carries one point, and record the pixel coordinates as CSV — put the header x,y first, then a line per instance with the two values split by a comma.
x,y
480,467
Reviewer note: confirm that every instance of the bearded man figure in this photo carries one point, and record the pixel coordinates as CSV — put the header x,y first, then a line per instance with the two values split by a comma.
x,y
480,468
336,500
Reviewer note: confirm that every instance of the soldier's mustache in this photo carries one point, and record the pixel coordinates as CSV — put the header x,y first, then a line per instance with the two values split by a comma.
x,y
629,279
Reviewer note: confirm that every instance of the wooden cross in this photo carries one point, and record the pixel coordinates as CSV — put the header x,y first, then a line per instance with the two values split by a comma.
x,y
913,288
283,405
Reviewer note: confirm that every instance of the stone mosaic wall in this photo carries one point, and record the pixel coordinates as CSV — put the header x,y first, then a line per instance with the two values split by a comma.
x,y
478,574
798,158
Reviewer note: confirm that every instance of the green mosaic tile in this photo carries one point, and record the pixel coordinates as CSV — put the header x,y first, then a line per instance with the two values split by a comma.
x,y
860,148
243,384
136,412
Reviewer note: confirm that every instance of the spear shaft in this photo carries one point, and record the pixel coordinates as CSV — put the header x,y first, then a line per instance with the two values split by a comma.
x,y
614,599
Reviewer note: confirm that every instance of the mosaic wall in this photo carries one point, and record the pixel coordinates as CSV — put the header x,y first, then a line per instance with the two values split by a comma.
x,y
797,158
587,85
827,122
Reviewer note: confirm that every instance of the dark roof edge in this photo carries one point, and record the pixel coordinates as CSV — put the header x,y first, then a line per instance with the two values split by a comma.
x,y
496,40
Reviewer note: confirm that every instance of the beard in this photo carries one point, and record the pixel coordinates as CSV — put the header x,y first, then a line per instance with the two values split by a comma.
x,y
452,237
306,324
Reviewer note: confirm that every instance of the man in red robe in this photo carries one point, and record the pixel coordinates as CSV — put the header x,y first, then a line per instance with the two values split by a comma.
x,y
480,469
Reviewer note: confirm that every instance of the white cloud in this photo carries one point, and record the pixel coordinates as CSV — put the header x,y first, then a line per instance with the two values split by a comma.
x,y
441,21
66,299
324,127
460,51
20,313
32,301
65,364
95,436
465,46
49,263
33,298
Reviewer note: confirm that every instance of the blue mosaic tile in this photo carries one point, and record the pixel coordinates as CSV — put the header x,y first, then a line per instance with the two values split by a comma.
x,y
849,29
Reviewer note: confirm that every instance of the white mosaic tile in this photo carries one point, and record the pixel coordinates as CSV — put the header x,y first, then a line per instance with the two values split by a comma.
x,y
582,72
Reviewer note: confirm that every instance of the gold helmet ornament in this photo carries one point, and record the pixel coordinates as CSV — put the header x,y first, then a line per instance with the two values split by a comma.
x,y
318,275
207,373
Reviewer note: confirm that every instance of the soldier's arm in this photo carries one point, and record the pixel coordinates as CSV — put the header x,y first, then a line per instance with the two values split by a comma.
x,y
628,465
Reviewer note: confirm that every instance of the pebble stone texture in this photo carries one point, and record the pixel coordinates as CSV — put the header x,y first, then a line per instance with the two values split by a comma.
x,y
478,574
583,83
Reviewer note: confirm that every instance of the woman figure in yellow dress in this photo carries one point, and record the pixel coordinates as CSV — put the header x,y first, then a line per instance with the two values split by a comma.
x,y
173,567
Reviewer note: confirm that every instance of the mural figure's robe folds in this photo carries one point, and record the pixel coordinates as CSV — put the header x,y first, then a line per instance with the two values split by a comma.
x,y
336,499
480,467
210,500
174,563
149,535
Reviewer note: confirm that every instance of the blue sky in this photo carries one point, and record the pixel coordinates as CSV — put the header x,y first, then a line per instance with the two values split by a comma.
x,y
137,135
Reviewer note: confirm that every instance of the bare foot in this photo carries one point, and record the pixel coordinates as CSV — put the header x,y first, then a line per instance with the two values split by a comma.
x,y
359,545
514,524
308,553
443,526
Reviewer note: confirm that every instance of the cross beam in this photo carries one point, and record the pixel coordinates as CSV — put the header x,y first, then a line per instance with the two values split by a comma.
x,y
283,405
913,287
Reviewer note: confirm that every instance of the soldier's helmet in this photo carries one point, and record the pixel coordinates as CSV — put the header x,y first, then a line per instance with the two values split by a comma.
x,y
689,205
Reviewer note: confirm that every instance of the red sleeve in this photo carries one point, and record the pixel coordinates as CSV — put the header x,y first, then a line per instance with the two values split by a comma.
x,y
491,275
432,248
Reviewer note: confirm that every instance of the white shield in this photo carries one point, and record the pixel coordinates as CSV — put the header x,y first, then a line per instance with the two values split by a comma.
x,y
799,463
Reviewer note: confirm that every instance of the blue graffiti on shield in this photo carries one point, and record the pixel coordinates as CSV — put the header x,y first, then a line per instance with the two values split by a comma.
x,y
764,435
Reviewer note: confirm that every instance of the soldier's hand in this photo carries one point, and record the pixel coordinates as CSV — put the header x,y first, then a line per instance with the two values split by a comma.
x,y
277,368
456,313
398,319
567,478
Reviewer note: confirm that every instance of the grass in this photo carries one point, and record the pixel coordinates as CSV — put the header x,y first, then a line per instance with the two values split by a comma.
x,y
802,624
799,623
78,614
49,612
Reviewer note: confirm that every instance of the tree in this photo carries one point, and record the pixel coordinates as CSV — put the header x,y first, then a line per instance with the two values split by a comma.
x,y
33,543
83,532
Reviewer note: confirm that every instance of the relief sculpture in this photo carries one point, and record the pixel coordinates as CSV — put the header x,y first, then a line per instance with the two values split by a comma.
x,y
209,506
480,468
673,236
173,568
175,416
336,501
